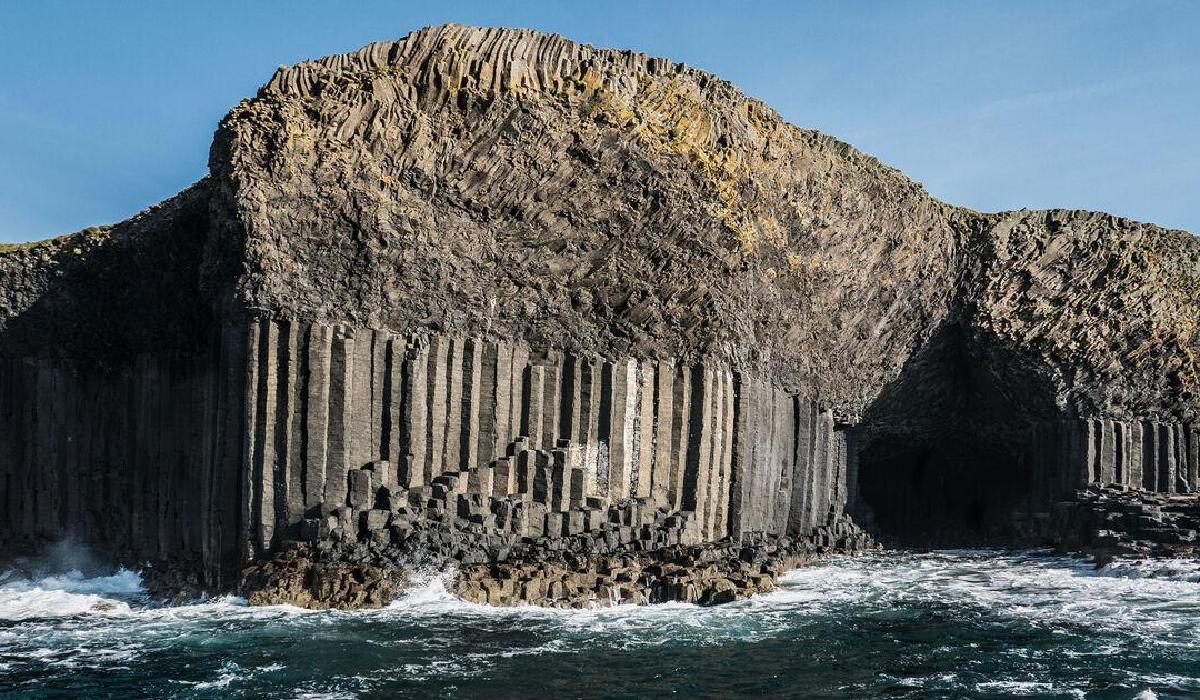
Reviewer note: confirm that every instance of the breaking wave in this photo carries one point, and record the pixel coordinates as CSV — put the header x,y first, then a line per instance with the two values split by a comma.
x,y
951,623
68,594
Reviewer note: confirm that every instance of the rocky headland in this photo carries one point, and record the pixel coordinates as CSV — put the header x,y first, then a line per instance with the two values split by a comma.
x,y
585,327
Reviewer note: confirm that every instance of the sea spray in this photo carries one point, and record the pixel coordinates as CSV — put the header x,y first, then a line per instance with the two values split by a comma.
x,y
68,594
66,579
962,623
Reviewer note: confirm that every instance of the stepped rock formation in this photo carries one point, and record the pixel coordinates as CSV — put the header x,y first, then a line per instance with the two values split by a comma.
x,y
541,291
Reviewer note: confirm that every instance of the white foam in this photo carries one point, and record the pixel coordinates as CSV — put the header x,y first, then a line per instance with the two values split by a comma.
x,y
25,605
231,673
1026,688
1182,570
69,594
1156,601
1043,590
1154,604
428,593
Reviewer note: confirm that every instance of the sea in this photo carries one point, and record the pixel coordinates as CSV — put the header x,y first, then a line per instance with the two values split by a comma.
x,y
942,624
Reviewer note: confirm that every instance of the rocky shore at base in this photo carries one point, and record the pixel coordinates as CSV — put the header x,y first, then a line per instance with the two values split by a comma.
x,y
560,573
708,574
641,555
1111,522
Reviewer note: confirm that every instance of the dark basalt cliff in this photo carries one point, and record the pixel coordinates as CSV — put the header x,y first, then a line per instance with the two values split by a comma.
x,y
568,298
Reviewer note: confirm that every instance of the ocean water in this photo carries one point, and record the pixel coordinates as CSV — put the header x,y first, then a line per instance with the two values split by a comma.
x,y
893,625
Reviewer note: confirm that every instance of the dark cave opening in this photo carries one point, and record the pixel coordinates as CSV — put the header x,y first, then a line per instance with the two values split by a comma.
x,y
944,453
927,494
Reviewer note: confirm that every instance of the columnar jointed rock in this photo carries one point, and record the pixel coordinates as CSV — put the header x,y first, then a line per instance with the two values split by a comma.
x,y
495,275
724,468
633,555
1115,521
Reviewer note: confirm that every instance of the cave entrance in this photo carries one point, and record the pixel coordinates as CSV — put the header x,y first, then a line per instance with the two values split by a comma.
x,y
944,453
942,493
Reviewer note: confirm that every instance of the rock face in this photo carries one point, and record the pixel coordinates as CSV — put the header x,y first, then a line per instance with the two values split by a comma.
x,y
121,400
611,564
1112,521
594,201
483,272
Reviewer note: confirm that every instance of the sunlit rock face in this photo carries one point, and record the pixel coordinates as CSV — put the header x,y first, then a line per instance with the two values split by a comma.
x,y
564,280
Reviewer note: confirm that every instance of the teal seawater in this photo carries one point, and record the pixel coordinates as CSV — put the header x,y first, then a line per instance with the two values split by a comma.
x,y
944,624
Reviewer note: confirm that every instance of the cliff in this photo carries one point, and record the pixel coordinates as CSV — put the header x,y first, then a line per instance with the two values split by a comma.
x,y
529,264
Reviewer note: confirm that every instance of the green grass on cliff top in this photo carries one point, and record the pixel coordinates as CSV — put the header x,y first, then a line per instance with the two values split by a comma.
x,y
6,248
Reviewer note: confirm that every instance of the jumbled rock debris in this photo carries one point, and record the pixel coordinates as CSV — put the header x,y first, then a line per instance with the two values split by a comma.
x,y
1111,522
633,554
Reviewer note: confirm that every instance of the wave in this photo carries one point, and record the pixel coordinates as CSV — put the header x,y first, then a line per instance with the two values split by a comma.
x,y
1161,599
68,622
68,594
991,579
1182,570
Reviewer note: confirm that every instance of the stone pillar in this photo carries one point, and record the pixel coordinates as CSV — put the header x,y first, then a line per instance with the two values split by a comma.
x,y
663,417
416,416
397,447
535,394
517,411
472,380
455,405
317,417
551,397
1107,468
503,400
1136,455
438,397
644,464
622,379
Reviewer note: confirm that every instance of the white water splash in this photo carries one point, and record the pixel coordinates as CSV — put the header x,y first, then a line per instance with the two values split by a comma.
x,y
69,594
1155,600
1034,585
232,673
71,621
428,593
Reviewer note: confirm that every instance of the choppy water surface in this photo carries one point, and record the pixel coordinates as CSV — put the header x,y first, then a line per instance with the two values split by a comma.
x,y
947,624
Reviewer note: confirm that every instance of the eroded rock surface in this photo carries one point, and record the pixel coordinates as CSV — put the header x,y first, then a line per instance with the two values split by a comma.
x,y
1113,522
614,564
446,251
587,199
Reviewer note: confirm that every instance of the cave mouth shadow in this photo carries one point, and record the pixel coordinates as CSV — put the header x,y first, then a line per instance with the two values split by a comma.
x,y
939,493
944,454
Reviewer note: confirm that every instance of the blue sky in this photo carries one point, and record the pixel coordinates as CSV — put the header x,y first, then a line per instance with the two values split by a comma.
x,y
108,107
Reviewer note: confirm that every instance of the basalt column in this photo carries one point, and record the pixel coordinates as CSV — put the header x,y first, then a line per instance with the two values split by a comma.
x,y
138,461
331,408
1152,455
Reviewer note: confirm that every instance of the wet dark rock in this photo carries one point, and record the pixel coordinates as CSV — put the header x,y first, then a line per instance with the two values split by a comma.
x,y
1111,522
491,298
566,572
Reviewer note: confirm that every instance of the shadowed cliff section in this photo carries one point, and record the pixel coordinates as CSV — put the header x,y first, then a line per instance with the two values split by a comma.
x,y
120,392
794,323
108,293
